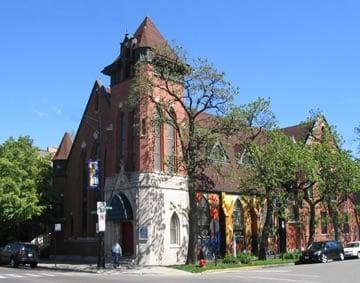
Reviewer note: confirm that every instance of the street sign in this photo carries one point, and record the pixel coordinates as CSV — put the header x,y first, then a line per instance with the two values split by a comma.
x,y
101,207
57,227
102,222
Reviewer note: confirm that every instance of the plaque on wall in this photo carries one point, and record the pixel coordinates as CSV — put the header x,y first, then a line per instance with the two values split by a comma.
x,y
143,233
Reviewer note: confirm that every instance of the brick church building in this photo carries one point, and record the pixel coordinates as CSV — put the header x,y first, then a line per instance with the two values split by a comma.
x,y
148,204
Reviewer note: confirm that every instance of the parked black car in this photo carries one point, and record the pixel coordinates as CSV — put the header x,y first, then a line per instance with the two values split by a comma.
x,y
19,253
322,252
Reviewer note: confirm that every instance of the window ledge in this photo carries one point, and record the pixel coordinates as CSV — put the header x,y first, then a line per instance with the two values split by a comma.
x,y
174,246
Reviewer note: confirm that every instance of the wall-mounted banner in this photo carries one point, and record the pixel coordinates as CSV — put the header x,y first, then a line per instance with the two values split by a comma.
x,y
94,174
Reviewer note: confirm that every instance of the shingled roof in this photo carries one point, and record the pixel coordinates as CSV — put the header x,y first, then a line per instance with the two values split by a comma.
x,y
64,149
148,35
300,132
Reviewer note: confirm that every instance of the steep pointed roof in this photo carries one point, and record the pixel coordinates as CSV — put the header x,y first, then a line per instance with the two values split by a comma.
x,y
148,35
64,149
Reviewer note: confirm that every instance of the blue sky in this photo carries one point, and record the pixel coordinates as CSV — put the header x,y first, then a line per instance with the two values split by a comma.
x,y
301,54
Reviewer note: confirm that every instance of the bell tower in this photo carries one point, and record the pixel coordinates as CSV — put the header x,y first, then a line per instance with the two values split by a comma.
x,y
146,37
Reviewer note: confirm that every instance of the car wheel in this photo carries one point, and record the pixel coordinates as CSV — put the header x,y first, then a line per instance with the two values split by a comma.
x,y
358,255
33,265
341,256
13,263
324,259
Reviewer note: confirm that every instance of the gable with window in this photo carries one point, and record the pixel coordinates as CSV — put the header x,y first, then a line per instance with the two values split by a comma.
x,y
218,153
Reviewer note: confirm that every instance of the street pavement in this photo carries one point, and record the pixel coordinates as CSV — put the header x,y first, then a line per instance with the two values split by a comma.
x,y
347,271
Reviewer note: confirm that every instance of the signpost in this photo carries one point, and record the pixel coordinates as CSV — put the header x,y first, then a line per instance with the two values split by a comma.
x,y
101,212
57,228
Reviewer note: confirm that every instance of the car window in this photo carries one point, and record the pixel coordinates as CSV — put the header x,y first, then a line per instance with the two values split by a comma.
x,y
352,245
316,245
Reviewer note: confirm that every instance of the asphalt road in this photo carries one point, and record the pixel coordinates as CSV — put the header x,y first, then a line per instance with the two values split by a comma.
x,y
347,271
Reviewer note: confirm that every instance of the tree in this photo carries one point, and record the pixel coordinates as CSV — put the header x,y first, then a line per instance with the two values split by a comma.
x,y
183,94
267,172
303,171
339,179
247,122
23,174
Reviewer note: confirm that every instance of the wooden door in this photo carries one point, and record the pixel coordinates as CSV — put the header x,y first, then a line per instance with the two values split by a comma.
x,y
127,239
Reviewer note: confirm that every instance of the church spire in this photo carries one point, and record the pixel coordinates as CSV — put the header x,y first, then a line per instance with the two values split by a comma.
x,y
148,35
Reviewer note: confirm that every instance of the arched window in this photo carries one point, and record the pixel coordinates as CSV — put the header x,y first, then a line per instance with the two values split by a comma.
x,y
244,158
238,220
132,140
203,218
171,142
121,139
174,230
158,143
218,153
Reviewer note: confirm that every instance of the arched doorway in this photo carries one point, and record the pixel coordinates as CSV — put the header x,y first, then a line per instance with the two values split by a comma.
x,y
122,216
239,226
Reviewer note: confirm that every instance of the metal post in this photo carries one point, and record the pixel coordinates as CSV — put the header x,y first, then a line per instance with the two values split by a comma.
x,y
215,247
55,247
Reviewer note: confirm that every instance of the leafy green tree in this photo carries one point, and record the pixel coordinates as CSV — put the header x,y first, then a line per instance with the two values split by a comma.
x,y
268,170
23,174
339,179
247,123
195,89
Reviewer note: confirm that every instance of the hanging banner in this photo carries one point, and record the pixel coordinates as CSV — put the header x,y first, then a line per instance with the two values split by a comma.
x,y
94,174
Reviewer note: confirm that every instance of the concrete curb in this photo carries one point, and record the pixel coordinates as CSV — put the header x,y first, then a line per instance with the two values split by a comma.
x,y
246,268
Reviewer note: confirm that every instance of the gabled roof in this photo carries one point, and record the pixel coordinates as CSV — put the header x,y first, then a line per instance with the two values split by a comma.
x,y
148,35
64,149
300,132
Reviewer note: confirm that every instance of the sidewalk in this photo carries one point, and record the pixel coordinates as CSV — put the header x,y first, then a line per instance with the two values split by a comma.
x,y
109,269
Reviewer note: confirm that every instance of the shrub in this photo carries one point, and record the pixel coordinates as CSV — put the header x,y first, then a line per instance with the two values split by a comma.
x,y
291,255
244,258
230,260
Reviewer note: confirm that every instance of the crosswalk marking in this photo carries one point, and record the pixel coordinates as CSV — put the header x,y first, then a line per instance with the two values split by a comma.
x,y
13,275
47,274
41,274
31,275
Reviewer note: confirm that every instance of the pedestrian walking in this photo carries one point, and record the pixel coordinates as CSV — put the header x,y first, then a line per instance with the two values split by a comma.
x,y
117,253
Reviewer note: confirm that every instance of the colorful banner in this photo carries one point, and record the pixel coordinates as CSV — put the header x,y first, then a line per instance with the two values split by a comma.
x,y
209,240
228,202
94,174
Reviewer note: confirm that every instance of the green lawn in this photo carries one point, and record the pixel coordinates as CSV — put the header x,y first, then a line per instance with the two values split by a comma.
x,y
211,265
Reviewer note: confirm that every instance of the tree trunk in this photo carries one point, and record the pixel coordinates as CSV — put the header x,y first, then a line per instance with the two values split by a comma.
x,y
357,220
266,230
254,231
311,224
333,213
193,223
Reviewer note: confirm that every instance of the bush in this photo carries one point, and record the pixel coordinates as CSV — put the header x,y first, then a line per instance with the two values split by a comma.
x,y
244,258
230,260
291,255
